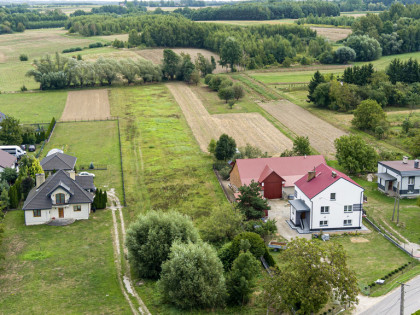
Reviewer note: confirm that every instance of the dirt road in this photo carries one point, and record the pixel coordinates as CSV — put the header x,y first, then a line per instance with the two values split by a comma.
x,y
246,128
86,105
301,122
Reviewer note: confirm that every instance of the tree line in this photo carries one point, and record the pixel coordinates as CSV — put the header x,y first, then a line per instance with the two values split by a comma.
x,y
327,20
262,11
20,17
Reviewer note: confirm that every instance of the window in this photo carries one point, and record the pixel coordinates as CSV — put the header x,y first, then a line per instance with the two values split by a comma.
x,y
296,194
348,208
323,223
325,209
332,196
347,222
77,208
60,199
37,213
411,180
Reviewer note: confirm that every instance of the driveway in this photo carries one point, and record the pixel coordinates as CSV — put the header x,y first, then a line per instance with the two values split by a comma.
x,y
280,211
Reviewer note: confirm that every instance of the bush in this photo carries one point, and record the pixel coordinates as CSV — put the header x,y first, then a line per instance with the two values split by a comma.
x,y
257,246
150,238
345,54
69,50
23,57
23,88
96,45
192,277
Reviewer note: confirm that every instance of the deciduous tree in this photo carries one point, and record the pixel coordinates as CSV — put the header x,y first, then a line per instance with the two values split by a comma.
x,y
301,146
368,115
225,148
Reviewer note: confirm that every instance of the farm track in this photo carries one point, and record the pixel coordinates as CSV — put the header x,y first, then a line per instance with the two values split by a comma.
x,y
245,128
301,122
87,105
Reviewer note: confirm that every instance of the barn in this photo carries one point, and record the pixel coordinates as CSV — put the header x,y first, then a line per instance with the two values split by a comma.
x,y
276,176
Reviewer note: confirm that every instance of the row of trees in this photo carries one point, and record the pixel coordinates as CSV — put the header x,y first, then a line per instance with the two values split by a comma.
x,y
327,20
13,133
262,11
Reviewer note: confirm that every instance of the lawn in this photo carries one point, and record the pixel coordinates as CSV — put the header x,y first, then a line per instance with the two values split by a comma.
x,y
59,270
163,165
95,142
34,107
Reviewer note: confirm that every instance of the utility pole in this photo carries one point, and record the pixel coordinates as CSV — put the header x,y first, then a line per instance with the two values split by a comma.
x,y
402,297
397,197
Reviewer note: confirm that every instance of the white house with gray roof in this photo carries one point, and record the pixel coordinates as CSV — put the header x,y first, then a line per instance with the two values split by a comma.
x,y
403,175
60,196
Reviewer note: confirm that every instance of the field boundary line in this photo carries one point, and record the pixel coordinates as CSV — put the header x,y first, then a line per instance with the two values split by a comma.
x,y
121,162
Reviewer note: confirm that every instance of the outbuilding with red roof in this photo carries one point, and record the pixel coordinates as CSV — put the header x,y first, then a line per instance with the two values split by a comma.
x,y
326,199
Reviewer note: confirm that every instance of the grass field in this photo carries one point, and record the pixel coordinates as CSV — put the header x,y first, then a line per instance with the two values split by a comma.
x,y
384,61
289,77
95,142
33,107
60,270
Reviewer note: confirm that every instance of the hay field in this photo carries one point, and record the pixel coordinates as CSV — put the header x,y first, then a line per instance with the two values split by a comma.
x,y
320,133
245,128
156,55
332,33
87,105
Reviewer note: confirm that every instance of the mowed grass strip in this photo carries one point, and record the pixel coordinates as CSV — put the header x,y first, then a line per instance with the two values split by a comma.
x,y
95,142
163,166
59,270
33,107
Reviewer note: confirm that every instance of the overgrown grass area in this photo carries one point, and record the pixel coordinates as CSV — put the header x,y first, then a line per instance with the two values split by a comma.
x,y
95,142
384,61
257,87
289,77
163,165
59,270
34,107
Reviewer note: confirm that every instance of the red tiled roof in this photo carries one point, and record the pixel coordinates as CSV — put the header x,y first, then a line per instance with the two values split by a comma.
x,y
322,180
289,168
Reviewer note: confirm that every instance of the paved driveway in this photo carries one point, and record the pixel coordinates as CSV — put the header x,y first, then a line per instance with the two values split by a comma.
x,y
280,211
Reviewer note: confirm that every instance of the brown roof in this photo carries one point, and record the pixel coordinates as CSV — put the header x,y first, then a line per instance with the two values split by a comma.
x,y
400,166
6,159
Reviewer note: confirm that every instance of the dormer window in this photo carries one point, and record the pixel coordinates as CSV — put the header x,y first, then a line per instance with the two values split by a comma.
x,y
60,199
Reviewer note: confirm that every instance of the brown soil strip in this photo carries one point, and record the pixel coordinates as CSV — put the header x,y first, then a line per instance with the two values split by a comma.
x,y
359,240
87,105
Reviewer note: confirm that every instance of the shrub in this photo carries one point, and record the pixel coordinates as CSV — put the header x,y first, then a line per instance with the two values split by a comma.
x,y
96,45
257,246
23,57
23,88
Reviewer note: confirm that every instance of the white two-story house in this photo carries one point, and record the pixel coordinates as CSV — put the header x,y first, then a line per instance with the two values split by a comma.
x,y
326,199
403,176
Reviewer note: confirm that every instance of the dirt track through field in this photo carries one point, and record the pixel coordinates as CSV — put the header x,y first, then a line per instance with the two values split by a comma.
x,y
245,128
87,105
156,55
320,133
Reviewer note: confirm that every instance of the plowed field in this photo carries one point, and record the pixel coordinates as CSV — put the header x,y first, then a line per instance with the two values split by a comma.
x,y
320,133
86,105
245,128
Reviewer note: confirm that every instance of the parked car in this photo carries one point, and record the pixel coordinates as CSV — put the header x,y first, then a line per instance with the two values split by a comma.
x,y
23,147
86,174
31,148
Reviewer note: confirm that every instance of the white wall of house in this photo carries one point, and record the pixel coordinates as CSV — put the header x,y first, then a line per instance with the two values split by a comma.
x,y
299,195
346,194
403,180
48,214
60,191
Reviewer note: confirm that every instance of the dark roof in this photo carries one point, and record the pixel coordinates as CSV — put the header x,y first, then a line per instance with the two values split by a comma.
x,y
386,176
58,161
406,169
39,198
323,179
299,205
86,182
6,159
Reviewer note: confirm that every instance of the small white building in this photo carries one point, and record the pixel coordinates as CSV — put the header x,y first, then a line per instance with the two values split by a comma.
x,y
402,175
326,199
60,196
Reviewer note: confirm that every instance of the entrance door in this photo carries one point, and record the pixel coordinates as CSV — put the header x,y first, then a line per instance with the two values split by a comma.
x,y
61,212
389,185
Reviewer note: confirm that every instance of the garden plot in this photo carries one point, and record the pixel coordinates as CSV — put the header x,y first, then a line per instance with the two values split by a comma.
x,y
87,105
320,133
245,128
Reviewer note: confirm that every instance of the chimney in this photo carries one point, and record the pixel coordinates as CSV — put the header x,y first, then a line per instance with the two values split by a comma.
x,y
311,175
40,179
405,159
333,174
72,174
416,163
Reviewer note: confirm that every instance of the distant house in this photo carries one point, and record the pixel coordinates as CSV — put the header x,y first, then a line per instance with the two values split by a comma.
x,y
276,176
7,160
58,161
61,195
326,199
403,175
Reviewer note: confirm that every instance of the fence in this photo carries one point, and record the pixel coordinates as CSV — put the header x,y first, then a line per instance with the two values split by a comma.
x,y
89,120
46,141
96,167
228,196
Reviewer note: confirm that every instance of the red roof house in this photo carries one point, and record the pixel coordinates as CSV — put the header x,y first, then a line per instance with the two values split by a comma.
x,y
275,175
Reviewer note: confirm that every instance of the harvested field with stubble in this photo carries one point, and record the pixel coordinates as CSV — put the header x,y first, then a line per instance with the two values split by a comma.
x,y
332,33
87,105
301,122
245,128
156,55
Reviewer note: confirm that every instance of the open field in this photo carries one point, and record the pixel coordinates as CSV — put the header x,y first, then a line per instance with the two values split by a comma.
x,y
59,270
259,132
320,133
332,33
87,105
384,61
95,142
290,77
156,55
33,107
